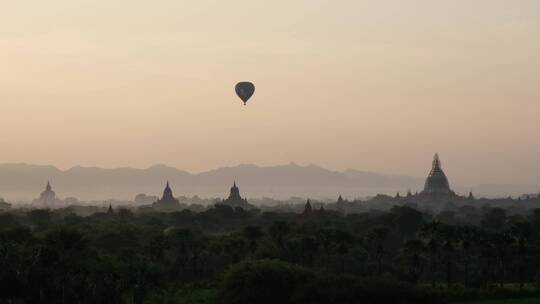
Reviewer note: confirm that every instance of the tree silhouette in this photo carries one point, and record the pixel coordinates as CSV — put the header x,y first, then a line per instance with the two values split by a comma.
x,y
430,233
278,231
521,232
377,236
252,234
414,249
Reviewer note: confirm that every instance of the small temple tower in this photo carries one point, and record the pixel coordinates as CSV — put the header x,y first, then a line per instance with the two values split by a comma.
x,y
436,182
235,193
409,193
110,211
235,199
307,208
47,198
4,205
167,201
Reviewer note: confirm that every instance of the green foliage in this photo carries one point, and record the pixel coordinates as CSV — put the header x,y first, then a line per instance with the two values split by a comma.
x,y
505,301
350,289
262,281
272,281
188,294
490,294
77,256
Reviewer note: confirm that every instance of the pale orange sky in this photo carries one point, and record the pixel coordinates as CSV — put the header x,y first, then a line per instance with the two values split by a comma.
x,y
372,85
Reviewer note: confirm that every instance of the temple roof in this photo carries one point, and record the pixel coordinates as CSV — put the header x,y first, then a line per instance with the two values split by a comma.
x,y
436,181
167,201
48,190
235,193
307,207
167,192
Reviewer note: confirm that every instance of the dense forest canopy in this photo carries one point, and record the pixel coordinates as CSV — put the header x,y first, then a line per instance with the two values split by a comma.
x,y
232,255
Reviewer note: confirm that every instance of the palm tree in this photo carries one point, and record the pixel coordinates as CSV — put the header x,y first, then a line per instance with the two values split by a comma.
x,y
521,232
500,242
466,237
277,231
430,233
180,242
157,246
414,248
69,246
308,246
252,234
326,239
447,235
343,243
378,235
235,247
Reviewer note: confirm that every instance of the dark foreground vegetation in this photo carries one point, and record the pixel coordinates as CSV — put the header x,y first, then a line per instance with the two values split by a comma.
x,y
226,255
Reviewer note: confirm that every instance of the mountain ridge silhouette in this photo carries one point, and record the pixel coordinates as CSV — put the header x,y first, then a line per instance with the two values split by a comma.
x,y
22,181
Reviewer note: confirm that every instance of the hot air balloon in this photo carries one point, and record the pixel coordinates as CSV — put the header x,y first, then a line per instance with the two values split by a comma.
x,y
244,90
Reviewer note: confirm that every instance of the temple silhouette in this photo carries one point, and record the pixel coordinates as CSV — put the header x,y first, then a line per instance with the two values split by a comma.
x,y
235,199
47,198
308,209
436,187
437,182
167,202
4,205
436,194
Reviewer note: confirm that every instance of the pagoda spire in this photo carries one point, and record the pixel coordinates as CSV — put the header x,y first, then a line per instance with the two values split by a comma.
x,y
235,192
436,162
167,193
307,207
436,181
110,210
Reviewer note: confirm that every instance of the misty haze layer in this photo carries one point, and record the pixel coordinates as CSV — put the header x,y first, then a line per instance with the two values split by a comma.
x,y
25,182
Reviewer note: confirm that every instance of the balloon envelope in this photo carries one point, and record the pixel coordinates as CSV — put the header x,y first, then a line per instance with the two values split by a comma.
x,y
245,90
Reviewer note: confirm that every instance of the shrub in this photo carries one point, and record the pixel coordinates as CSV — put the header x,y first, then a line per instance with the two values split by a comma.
x,y
272,281
262,281
349,290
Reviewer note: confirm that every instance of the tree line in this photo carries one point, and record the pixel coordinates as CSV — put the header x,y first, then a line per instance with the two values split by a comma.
x,y
230,255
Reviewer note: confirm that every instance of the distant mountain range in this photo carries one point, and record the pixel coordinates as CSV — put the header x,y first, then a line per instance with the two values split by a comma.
x,y
24,182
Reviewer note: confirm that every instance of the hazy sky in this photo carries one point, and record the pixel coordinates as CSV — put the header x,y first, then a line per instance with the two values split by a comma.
x,y
373,85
